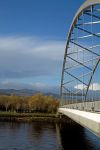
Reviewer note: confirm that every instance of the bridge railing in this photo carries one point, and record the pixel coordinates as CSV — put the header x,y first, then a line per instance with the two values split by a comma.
x,y
86,106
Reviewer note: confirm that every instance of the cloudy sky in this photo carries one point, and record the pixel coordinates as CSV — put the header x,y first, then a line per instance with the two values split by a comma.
x,y
33,36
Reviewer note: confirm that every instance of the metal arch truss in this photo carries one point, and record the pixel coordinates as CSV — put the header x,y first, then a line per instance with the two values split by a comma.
x,y
82,54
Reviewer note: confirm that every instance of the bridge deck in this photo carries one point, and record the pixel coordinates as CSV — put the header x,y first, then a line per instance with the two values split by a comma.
x,y
86,119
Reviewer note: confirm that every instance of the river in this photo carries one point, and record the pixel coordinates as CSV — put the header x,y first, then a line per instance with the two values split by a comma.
x,y
46,136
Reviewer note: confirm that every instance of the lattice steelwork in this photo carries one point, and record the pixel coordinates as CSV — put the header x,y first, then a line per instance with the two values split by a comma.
x,y
82,57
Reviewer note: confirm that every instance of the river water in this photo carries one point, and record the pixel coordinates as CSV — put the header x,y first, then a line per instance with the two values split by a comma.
x,y
46,136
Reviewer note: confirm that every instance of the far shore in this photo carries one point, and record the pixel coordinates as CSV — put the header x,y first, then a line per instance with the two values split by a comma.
x,y
31,117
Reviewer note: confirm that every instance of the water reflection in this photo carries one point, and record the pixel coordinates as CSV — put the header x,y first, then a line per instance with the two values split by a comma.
x,y
73,137
46,136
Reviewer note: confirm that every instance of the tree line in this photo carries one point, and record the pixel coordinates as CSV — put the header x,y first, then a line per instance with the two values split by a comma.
x,y
36,103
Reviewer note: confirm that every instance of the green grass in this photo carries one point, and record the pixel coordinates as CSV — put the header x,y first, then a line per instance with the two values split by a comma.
x,y
28,117
15,114
31,117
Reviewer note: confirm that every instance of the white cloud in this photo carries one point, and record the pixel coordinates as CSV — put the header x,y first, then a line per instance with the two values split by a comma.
x,y
9,84
39,85
29,56
36,46
45,87
80,86
93,87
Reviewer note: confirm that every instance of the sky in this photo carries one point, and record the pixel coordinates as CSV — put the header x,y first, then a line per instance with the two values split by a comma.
x,y
33,36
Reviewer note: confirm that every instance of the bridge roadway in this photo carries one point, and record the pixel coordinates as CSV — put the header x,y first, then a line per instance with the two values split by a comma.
x,y
89,120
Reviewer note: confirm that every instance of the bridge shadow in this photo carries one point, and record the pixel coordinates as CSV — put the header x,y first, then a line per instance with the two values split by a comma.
x,y
72,137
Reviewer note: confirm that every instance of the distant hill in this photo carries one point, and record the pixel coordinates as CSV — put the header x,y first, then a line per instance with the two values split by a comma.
x,y
53,94
24,92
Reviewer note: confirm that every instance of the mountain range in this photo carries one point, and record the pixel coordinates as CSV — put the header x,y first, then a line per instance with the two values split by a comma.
x,y
25,92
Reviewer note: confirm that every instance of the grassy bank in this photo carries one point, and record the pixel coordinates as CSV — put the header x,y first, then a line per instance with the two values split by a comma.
x,y
30,117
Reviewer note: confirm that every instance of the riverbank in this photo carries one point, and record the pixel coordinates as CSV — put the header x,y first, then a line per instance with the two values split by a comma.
x,y
30,117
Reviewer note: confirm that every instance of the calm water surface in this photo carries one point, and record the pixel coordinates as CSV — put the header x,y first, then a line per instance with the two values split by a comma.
x,y
46,136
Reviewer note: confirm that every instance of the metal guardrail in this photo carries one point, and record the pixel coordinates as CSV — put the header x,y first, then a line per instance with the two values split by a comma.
x,y
86,106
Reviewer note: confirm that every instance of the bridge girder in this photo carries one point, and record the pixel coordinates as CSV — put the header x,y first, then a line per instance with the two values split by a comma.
x,y
76,33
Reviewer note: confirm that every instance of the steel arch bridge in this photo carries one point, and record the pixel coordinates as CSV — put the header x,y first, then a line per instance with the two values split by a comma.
x,y
80,80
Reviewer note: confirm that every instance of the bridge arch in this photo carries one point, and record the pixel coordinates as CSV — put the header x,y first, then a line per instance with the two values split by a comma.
x,y
85,25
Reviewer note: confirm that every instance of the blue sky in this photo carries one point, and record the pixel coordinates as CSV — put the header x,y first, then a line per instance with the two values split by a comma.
x,y
46,18
33,36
